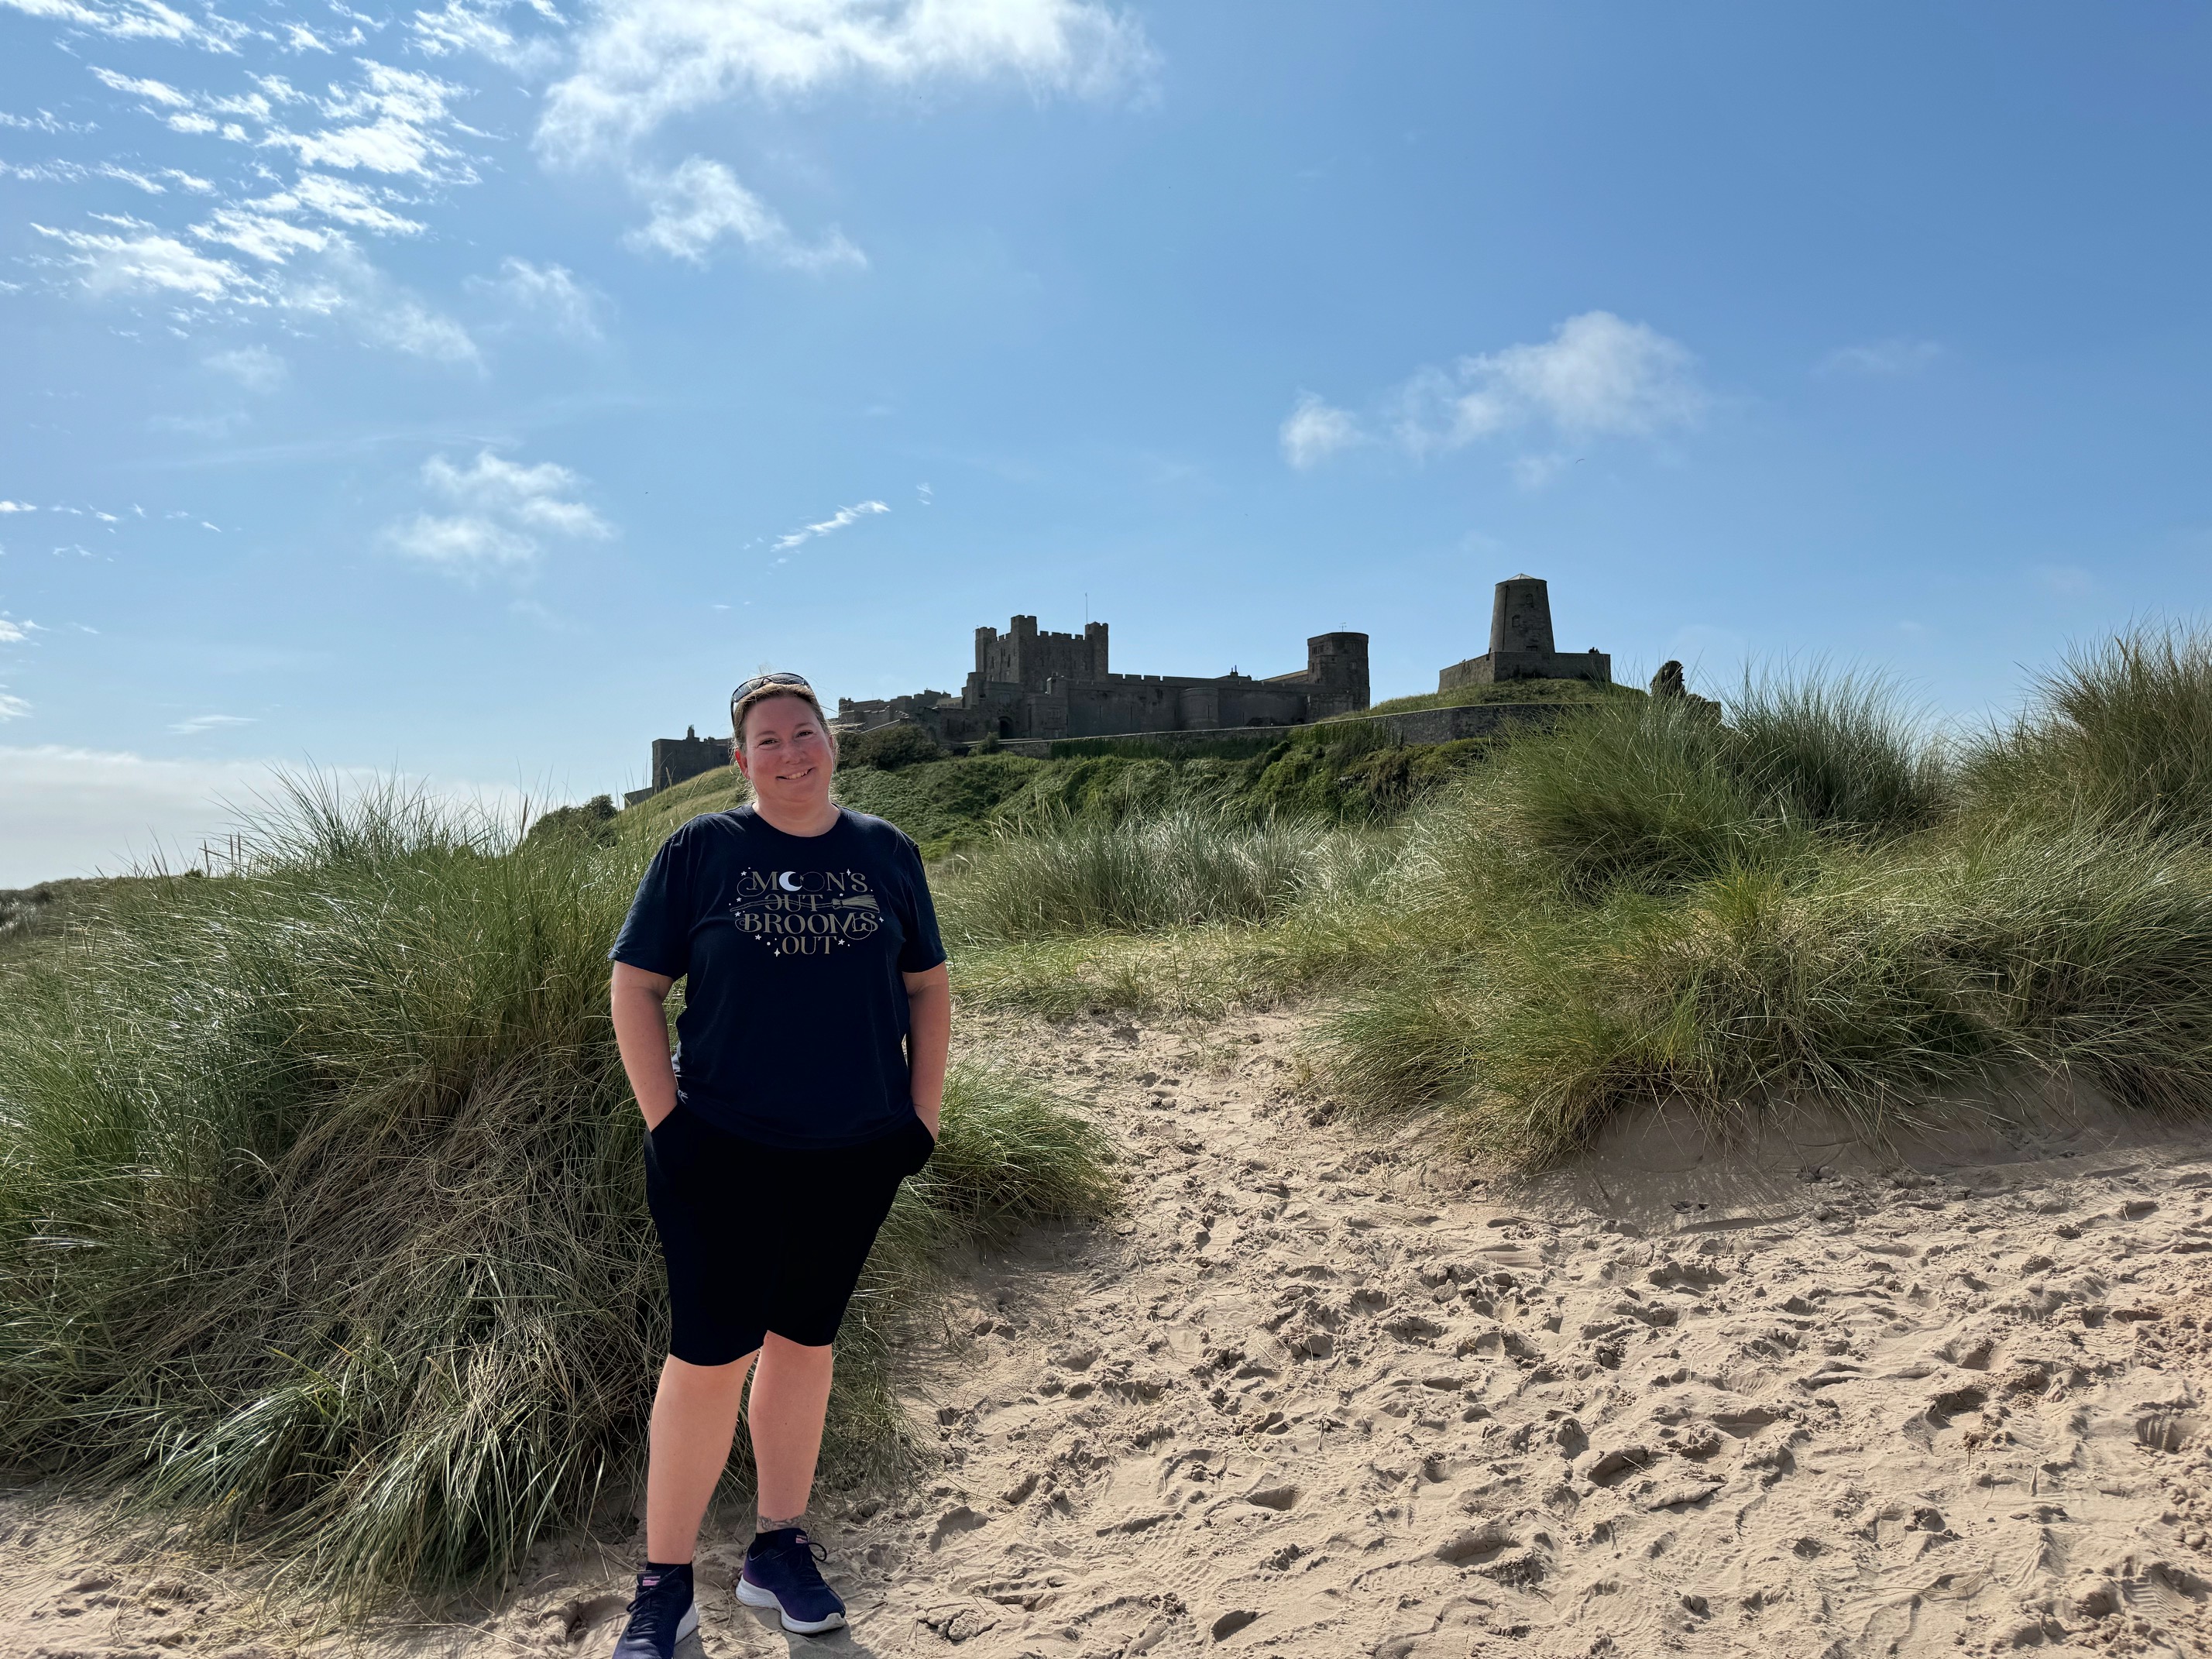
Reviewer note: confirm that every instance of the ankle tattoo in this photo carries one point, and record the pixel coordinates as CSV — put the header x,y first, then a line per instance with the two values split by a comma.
x,y
773,1524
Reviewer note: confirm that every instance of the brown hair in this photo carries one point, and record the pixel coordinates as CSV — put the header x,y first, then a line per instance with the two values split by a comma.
x,y
775,688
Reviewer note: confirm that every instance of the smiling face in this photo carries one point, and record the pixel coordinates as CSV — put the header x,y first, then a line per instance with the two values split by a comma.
x,y
786,755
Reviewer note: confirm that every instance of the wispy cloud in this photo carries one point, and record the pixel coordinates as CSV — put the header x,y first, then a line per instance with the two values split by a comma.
x,y
485,28
13,708
503,508
834,522
46,121
199,723
139,259
1314,430
255,367
135,20
16,507
367,152
699,201
1597,377
641,62
12,632
549,295
1893,358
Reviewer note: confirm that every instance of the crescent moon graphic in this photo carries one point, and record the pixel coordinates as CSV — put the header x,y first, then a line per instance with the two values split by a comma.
x,y
787,881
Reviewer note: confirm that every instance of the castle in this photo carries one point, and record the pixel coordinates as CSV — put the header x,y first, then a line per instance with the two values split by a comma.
x,y
1031,683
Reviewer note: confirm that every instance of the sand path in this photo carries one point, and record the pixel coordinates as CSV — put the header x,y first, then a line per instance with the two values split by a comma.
x,y
1324,1392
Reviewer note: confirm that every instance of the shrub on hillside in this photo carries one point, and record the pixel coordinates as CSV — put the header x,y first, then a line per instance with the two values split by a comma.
x,y
322,1214
594,821
888,748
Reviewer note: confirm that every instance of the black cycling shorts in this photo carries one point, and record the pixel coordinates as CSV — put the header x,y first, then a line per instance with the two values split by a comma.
x,y
766,1238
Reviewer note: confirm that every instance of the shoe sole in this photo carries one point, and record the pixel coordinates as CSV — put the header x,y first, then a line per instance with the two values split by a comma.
x,y
754,1595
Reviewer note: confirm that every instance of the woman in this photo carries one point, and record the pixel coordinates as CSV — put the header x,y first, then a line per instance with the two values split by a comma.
x,y
809,1072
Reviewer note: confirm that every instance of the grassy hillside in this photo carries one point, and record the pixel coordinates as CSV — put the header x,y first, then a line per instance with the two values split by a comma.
x,y
1513,691
1343,773
1811,898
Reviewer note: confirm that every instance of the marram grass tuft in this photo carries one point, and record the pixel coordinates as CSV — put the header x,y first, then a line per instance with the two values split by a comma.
x,y
324,1206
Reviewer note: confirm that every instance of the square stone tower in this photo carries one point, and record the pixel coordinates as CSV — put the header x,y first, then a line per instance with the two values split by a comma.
x,y
1520,643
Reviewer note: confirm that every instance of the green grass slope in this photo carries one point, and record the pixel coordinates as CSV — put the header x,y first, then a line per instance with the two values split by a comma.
x,y
1467,696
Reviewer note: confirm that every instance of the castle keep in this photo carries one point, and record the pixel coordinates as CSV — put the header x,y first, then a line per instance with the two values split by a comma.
x,y
1031,683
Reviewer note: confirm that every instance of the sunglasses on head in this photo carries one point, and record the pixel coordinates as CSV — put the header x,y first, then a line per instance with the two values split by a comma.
x,y
779,678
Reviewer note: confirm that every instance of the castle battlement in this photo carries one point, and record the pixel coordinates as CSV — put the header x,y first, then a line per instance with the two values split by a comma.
x,y
1030,682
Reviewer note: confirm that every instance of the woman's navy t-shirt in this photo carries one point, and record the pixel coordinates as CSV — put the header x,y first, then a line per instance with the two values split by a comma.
x,y
794,1022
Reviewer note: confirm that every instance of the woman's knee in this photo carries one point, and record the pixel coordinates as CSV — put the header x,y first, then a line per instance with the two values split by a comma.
x,y
692,1378
785,1352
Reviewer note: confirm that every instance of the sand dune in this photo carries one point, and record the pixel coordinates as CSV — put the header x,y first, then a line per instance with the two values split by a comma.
x,y
1327,1392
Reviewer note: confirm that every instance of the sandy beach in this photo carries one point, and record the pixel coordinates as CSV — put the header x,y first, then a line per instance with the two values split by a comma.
x,y
1325,1390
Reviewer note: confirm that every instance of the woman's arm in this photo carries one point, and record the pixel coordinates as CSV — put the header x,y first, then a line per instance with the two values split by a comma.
x,y
638,1000
928,1039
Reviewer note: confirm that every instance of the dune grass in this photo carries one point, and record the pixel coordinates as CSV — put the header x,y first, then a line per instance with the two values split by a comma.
x,y
324,1205
1816,897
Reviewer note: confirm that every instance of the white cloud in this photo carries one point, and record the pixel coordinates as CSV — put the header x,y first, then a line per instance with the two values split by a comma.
x,y
16,507
639,63
128,20
11,633
263,236
12,708
199,723
1597,377
835,521
699,201
1893,359
502,503
46,121
481,27
547,294
146,261
1315,430
153,92
464,546
255,367
534,495
389,123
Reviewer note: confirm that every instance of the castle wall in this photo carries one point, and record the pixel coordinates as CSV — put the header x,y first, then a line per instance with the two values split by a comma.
x,y
1029,684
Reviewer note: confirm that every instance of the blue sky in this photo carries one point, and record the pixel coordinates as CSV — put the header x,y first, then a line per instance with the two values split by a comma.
x,y
481,392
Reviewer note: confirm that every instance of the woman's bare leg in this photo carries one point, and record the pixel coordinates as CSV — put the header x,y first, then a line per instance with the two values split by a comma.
x,y
695,1418
791,1395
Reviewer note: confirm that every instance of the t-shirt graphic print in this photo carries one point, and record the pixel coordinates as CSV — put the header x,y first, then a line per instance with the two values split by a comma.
x,y
792,949
797,912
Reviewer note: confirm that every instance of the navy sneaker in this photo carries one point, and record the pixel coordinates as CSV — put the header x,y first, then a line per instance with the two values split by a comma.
x,y
660,1615
779,1573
